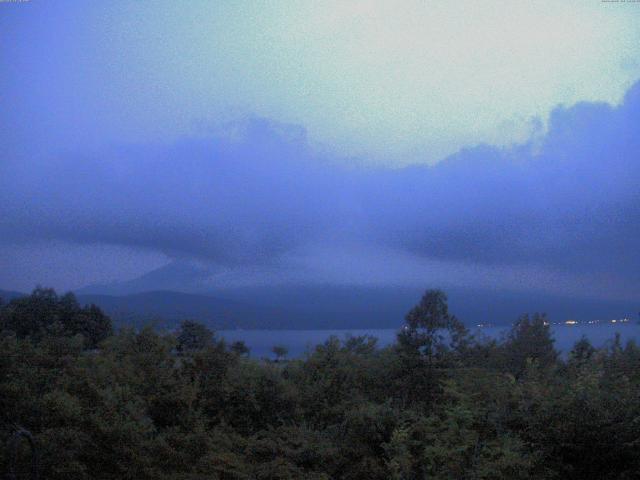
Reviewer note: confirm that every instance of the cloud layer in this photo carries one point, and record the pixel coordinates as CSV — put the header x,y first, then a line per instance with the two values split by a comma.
x,y
256,196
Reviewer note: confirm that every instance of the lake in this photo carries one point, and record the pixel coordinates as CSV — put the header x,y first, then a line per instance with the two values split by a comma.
x,y
300,341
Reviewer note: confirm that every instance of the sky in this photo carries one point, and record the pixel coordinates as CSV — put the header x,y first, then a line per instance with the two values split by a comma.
x,y
453,143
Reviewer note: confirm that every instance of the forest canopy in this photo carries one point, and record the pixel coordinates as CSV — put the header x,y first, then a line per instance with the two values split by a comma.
x,y
440,403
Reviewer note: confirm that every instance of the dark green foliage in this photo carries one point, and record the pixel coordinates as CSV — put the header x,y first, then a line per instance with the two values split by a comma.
x,y
430,340
529,341
280,352
439,405
582,351
240,348
44,313
193,336
430,329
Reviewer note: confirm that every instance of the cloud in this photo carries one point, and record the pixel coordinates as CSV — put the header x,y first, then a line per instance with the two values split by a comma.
x,y
255,194
241,198
569,199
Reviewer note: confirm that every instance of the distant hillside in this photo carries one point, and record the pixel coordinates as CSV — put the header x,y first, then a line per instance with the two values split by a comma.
x,y
326,306
385,307
262,308
8,295
166,309
332,307
175,276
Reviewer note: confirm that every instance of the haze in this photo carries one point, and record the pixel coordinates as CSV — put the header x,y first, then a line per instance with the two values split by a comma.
x,y
477,144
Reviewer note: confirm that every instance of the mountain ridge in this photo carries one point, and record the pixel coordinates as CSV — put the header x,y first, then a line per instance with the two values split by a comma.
x,y
293,307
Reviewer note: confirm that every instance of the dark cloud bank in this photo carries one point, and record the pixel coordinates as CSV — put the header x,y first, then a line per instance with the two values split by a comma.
x,y
256,194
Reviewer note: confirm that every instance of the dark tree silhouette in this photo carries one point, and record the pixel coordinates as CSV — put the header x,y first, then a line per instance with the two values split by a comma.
x,y
280,352
529,340
44,313
240,348
193,336
430,329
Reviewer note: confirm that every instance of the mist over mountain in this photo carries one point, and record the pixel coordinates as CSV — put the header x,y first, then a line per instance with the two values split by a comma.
x,y
190,294
185,277
257,205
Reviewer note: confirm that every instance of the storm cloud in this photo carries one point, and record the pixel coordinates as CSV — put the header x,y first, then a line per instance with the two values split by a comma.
x,y
255,194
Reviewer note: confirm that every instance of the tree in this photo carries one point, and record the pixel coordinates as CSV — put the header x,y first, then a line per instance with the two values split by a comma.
x,y
97,325
33,315
427,325
193,336
582,350
240,348
529,340
89,321
424,344
44,313
280,352
361,345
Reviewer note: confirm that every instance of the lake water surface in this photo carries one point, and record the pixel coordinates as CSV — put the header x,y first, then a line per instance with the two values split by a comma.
x,y
300,341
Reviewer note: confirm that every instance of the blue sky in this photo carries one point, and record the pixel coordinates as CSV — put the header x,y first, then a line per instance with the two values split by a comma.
x,y
254,136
